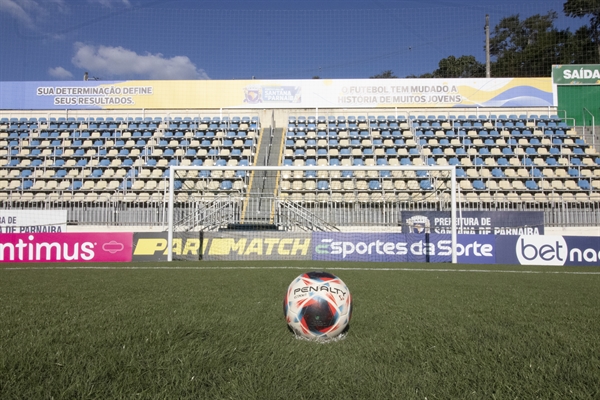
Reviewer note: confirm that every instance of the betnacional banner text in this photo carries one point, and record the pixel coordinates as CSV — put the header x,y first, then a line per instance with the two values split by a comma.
x,y
66,247
307,93
474,222
548,250
33,221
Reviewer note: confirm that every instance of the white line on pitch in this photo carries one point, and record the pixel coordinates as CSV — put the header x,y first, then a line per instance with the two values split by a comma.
x,y
304,268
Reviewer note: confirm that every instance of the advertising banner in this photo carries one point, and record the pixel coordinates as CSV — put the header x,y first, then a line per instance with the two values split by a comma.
x,y
476,249
399,247
548,250
576,74
152,246
302,93
252,245
474,222
381,247
66,247
34,221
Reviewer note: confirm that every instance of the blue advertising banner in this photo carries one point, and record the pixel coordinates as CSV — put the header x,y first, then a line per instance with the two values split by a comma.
x,y
380,247
399,247
474,222
548,250
476,249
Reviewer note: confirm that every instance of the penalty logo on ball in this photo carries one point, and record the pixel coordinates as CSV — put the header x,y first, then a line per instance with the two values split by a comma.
x,y
318,306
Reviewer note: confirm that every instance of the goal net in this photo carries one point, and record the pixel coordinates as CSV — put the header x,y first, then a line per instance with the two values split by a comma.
x,y
347,213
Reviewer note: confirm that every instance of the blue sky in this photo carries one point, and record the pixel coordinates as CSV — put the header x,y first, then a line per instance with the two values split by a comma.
x,y
46,40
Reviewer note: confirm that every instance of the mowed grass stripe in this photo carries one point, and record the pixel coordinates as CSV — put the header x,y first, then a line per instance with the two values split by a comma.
x,y
301,268
307,265
219,333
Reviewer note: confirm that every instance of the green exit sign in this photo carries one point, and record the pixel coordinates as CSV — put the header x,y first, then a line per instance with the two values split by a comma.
x,y
581,74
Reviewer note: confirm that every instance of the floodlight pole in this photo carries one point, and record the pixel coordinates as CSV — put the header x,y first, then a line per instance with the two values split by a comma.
x,y
488,73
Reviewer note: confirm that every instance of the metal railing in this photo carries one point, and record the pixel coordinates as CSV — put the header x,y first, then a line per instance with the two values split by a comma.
x,y
318,215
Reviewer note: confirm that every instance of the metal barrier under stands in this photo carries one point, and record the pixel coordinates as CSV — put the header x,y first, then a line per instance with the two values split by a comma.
x,y
315,216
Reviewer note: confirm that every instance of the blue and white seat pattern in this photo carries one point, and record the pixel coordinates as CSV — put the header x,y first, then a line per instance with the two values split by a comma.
x,y
99,159
499,158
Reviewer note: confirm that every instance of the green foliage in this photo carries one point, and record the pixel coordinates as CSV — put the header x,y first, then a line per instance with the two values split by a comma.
x,y
215,330
530,47
585,8
461,67
452,67
388,74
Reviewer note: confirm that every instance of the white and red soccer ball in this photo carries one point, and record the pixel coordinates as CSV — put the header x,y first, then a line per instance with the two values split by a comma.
x,y
318,306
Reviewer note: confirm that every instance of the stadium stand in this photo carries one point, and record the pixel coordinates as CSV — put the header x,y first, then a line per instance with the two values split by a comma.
x,y
118,159
520,158
503,161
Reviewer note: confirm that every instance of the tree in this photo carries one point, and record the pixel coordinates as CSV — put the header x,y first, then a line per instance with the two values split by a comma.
x,y
461,67
529,47
584,8
581,47
425,75
388,74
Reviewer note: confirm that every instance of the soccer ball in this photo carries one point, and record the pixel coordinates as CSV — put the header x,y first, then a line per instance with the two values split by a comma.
x,y
317,306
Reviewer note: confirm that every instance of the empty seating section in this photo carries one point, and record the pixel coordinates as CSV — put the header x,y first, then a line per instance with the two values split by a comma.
x,y
499,158
120,158
513,159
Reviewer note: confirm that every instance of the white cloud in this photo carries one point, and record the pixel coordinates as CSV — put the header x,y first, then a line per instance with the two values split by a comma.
x,y
28,11
22,10
111,62
60,73
110,3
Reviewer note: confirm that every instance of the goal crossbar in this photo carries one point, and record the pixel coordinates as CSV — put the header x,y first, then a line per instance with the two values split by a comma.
x,y
449,168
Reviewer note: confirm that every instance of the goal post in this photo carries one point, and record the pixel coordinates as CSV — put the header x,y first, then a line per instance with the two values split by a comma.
x,y
192,188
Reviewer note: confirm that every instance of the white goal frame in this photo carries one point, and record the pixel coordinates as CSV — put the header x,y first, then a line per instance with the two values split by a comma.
x,y
279,168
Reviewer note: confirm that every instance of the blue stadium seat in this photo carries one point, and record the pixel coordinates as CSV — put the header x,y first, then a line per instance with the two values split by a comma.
x,y
584,184
374,185
322,185
478,185
573,172
425,184
497,173
226,185
60,173
531,185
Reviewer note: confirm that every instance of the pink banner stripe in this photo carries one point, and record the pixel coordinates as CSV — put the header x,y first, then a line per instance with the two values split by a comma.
x,y
66,247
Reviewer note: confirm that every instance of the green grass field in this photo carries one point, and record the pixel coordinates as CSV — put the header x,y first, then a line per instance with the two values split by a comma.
x,y
216,330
